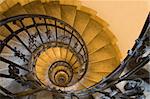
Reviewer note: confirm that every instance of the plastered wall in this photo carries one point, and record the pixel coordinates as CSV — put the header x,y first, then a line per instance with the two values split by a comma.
x,y
125,17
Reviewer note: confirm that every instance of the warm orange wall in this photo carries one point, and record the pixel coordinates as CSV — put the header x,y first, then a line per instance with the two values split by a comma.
x,y
1,1
125,17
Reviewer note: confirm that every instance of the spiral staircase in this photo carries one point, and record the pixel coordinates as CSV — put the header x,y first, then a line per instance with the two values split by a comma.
x,y
57,48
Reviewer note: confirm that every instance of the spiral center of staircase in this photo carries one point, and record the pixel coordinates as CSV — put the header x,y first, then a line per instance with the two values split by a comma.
x,y
61,47
60,73
62,60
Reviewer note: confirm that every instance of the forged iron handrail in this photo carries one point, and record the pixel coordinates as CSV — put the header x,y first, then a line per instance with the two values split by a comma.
x,y
114,77
13,33
111,79
2,22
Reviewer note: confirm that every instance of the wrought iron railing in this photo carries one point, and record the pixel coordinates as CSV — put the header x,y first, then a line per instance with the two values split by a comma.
x,y
69,39
28,31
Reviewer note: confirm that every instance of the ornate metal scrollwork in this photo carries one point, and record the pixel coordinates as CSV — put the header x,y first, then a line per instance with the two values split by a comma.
x,y
19,54
137,57
13,71
32,41
133,89
49,34
73,42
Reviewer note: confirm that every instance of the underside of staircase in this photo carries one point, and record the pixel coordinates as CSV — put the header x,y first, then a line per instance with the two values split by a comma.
x,y
56,49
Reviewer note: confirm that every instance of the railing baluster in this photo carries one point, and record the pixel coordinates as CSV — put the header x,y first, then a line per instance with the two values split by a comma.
x,y
56,31
17,53
74,63
12,63
24,27
47,30
37,30
69,45
31,37
23,43
75,45
12,32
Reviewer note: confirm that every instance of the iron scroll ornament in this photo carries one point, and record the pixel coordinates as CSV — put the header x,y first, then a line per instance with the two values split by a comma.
x,y
134,55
